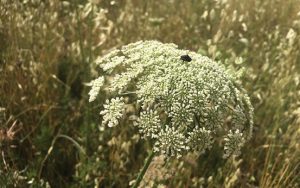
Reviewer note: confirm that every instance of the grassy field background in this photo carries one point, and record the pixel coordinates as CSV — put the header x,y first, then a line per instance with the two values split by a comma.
x,y
49,132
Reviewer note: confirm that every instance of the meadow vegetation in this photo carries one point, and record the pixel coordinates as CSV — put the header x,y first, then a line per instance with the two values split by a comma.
x,y
49,132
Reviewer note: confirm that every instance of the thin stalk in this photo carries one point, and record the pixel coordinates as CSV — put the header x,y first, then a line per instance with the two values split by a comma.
x,y
143,171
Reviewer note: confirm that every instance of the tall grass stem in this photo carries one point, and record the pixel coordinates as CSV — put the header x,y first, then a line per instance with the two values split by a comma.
x,y
143,171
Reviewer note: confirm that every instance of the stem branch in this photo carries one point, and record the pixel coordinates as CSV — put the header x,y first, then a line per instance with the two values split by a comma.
x,y
143,171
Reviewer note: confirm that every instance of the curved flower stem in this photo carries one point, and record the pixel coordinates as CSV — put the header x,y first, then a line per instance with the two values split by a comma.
x,y
143,171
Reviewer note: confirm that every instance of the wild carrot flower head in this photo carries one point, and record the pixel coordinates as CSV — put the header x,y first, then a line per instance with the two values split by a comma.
x,y
184,101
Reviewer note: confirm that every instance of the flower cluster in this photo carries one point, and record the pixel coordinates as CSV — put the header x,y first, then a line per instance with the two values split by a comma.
x,y
96,86
233,141
182,105
113,111
148,123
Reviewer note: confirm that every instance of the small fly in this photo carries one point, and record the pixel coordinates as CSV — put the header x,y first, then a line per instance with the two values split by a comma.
x,y
186,58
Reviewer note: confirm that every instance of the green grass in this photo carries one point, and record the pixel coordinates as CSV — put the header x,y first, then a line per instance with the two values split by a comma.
x,y
46,55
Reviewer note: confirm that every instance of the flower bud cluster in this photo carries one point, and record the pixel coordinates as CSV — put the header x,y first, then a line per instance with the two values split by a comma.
x,y
183,105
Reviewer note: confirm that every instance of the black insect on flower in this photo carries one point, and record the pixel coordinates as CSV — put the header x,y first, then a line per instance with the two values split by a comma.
x,y
186,58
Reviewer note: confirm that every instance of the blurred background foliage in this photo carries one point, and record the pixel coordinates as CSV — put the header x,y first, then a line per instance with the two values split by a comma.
x,y
49,133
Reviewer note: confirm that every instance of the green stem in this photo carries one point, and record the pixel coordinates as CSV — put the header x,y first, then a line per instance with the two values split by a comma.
x,y
143,171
